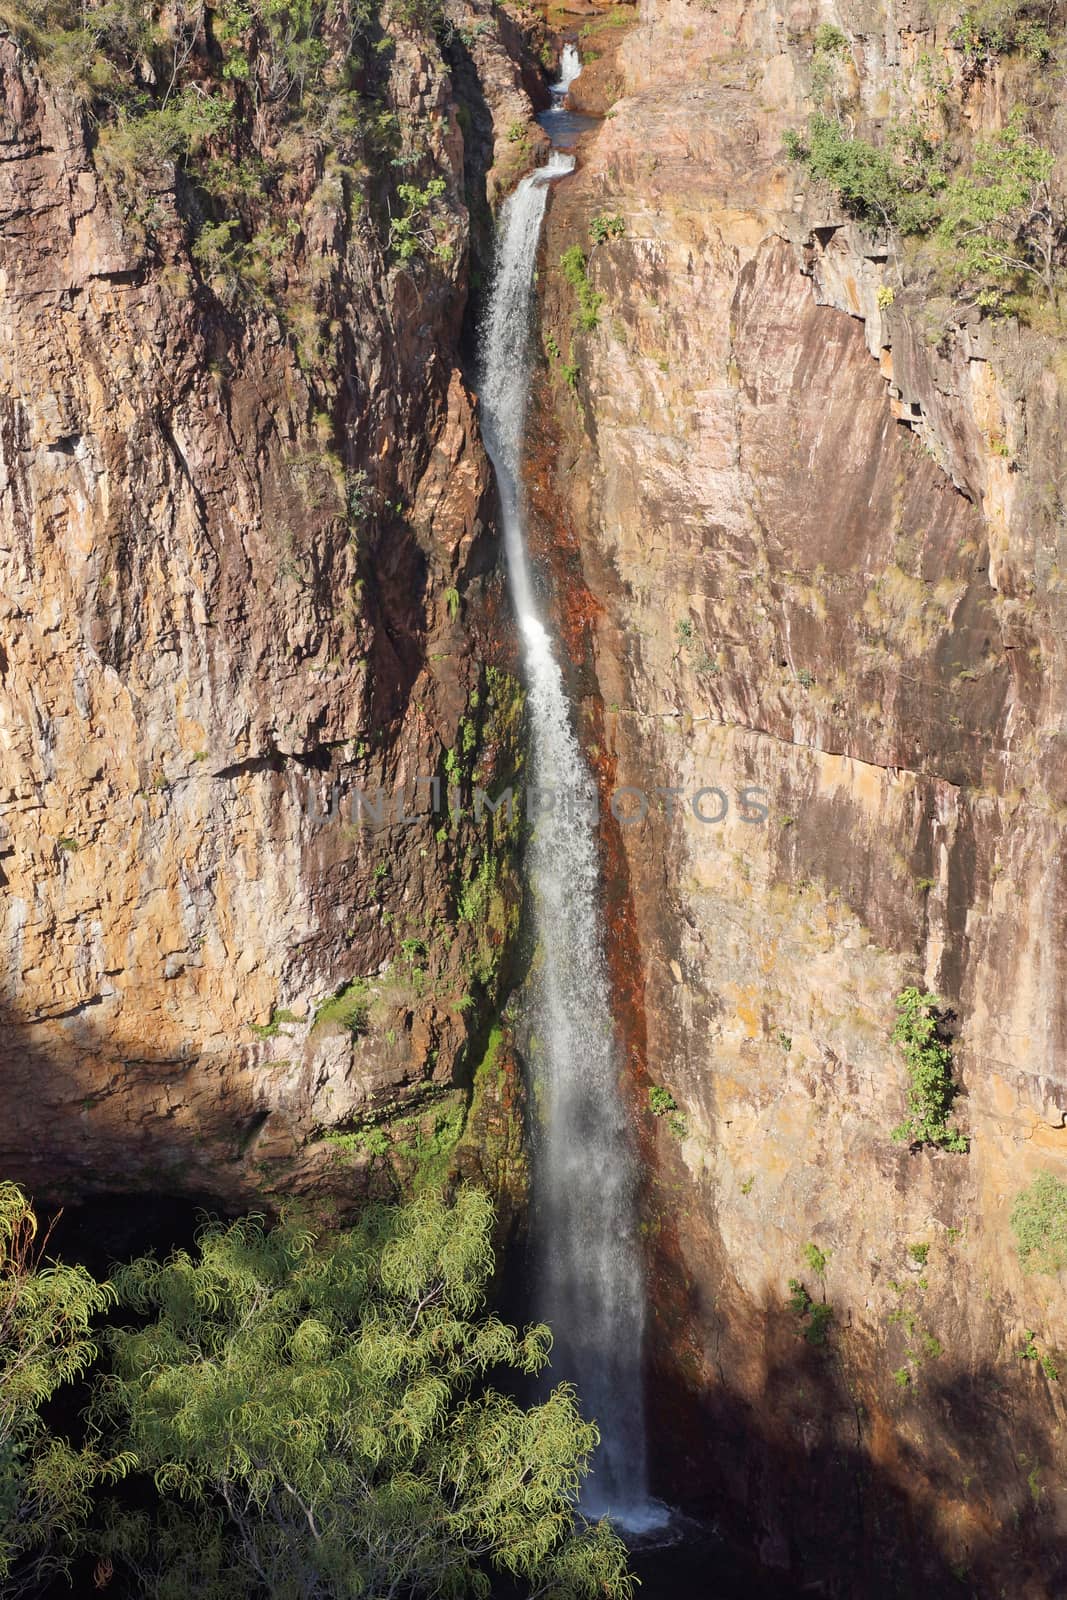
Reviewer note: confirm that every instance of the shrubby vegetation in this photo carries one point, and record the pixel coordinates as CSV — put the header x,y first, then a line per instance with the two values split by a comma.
x,y
995,28
296,1414
254,105
662,1103
989,221
1039,1222
931,1091
575,269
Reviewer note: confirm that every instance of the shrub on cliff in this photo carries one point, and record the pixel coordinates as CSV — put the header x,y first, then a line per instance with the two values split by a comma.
x,y
318,1412
232,110
992,223
931,1091
1039,1222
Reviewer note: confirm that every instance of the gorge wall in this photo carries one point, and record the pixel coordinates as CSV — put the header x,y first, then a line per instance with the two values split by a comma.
x,y
810,520
822,535
248,560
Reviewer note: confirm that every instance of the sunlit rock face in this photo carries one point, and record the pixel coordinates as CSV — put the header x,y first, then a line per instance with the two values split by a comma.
x,y
819,530
246,554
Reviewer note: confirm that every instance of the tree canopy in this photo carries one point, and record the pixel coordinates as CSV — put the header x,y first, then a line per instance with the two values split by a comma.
x,y
302,1414
46,1341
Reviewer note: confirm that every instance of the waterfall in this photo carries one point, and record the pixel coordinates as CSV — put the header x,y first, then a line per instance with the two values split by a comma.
x,y
570,65
589,1282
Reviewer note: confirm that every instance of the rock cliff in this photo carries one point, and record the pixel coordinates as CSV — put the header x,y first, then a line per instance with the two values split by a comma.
x,y
818,524
247,570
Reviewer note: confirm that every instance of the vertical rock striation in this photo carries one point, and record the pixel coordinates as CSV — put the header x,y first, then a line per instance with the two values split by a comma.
x,y
823,536
247,563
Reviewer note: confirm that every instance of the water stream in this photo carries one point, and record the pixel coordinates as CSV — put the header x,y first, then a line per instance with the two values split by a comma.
x,y
589,1278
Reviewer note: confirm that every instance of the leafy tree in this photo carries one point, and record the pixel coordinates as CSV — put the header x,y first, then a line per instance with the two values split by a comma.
x,y
320,1415
412,232
997,217
46,1315
931,1090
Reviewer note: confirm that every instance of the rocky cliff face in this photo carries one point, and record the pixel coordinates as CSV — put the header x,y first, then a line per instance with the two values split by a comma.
x,y
247,568
822,534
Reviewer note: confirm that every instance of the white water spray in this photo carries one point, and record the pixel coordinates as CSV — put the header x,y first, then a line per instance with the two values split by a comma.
x,y
590,1282
570,65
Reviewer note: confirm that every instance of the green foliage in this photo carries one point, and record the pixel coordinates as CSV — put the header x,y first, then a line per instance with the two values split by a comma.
x,y
1031,1352
603,228
816,1314
817,1259
575,269
1039,1222
662,1103
144,138
424,16
830,46
996,219
919,1253
370,1140
347,1008
994,28
930,1092
415,231
829,40
452,602
271,1029
317,1413
991,223
896,186
46,1341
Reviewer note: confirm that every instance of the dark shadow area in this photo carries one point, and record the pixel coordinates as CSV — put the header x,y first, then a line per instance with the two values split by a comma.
x,y
847,1491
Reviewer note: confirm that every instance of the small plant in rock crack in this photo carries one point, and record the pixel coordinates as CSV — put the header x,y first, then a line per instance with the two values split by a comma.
x,y
931,1091
1031,1352
662,1103
601,229
816,1259
815,1313
574,267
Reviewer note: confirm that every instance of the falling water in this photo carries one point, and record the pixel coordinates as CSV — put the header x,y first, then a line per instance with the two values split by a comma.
x,y
570,66
590,1283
